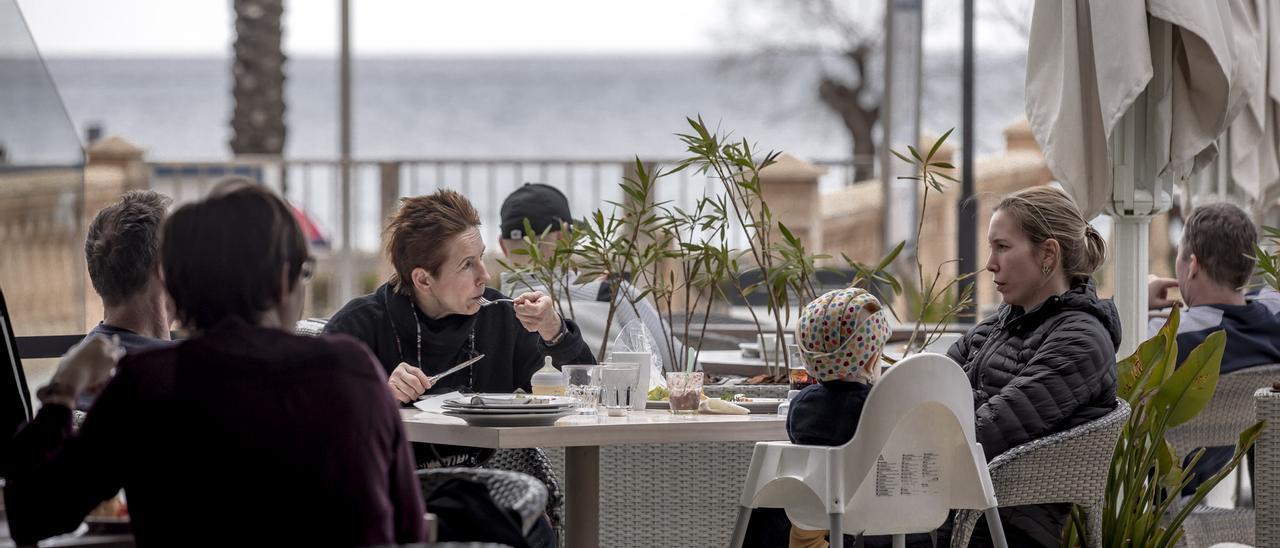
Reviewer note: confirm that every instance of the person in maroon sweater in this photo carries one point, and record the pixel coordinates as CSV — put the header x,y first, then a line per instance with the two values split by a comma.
x,y
245,433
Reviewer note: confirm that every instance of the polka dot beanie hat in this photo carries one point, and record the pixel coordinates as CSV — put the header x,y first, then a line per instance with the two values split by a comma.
x,y
839,332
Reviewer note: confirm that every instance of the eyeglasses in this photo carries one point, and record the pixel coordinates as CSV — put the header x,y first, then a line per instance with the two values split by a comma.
x,y
308,269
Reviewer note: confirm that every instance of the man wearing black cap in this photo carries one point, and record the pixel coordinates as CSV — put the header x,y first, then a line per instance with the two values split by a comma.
x,y
547,210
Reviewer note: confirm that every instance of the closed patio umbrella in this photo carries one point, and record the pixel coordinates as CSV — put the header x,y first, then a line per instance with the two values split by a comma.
x,y
1255,134
1124,100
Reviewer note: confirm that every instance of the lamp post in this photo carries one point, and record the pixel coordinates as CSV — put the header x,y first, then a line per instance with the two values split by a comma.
x,y
900,119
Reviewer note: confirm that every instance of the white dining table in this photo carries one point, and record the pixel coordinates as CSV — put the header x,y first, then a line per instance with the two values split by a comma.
x,y
582,437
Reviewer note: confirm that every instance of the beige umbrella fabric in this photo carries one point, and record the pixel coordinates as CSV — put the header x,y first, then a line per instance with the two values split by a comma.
x,y
1074,98
1255,134
1089,60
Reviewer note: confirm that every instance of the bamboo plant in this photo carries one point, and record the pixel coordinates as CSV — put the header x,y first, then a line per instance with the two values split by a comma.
x,y
934,302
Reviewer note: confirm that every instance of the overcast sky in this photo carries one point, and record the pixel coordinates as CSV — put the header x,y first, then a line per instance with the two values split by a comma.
x,y
413,27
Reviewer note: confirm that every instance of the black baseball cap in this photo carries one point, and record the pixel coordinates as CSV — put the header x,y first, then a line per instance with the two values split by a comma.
x,y
544,206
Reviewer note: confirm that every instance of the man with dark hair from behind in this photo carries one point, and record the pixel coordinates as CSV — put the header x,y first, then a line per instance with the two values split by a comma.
x,y
1213,267
122,252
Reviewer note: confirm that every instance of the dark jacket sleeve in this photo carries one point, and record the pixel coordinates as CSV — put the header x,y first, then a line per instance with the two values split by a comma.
x,y
405,491
962,351
1065,373
57,478
364,321
571,349
959,351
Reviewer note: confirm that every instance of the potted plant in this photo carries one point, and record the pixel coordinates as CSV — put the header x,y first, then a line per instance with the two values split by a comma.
x,y
1146,475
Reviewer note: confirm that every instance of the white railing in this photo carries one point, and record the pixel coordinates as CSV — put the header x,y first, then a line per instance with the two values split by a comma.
x,y
314,185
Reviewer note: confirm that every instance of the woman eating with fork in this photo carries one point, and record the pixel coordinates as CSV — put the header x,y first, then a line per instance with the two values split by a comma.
x,y
429,316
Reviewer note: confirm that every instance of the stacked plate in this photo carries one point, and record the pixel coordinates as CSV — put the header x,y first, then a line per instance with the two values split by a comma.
x,y
509,409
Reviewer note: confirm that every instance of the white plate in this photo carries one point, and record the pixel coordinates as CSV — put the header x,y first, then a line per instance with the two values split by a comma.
x,y
524,419
761,406
489,411
508,401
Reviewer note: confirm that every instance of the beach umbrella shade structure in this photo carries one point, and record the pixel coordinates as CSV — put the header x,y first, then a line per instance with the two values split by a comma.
x,y
1127,99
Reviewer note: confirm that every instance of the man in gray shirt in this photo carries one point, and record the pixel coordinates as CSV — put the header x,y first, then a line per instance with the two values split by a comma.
x,y
547,210
122,252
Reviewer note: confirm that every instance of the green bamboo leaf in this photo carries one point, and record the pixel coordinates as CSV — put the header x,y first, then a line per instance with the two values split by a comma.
x,y
1191,386
901,157
915,154
938,144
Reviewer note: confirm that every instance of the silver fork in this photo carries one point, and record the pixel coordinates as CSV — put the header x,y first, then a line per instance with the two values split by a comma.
x,y
483,302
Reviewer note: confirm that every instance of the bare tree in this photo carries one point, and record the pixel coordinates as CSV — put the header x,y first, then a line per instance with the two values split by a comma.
x,y
258,121
842,38
845,39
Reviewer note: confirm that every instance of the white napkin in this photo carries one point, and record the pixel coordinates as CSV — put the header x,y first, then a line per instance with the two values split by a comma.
x,y
434,403
721,407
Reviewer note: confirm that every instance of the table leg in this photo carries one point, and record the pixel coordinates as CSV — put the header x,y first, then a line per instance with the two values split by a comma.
x,y
582,496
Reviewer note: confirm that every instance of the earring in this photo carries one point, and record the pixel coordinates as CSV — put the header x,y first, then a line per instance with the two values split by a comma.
x,y
1046,270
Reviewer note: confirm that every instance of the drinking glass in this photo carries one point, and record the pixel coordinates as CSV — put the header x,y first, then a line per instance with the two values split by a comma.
x,y
582,383
684,391
618,381
585,396
797,375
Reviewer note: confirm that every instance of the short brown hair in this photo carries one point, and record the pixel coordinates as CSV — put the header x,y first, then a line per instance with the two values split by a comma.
x,y
419,230
1221,236
1044,212
123,244
222,255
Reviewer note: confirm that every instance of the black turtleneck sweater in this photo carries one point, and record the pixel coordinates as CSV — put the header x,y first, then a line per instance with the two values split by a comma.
x,y
389,323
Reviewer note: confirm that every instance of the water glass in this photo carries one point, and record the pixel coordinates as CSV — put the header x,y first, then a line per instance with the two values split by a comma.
x,y
619,383
585,396
684,389
582,383
580,374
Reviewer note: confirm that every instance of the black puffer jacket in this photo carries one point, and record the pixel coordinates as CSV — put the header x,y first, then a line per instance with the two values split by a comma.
x,y
1038,372
1042,371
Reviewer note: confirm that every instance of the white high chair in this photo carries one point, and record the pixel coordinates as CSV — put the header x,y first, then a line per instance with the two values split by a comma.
x,y
913,458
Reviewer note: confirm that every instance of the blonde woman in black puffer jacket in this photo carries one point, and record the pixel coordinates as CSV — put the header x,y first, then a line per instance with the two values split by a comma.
x,y
1045,362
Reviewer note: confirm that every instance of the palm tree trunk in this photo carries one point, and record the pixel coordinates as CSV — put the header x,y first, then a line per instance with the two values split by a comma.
x,y
258,121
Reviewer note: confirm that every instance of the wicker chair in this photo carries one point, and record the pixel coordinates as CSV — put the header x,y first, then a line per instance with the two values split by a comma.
x,y
311,326
1231,410
1069,466
1266,469
534,462
519,492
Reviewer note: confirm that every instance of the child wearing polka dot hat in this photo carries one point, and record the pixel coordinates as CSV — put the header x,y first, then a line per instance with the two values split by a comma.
x,y
841,335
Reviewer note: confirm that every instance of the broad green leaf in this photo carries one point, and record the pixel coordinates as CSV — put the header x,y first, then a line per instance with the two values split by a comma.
x,y
1132,372
1168,465
1191,386
1246,440
1170,332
